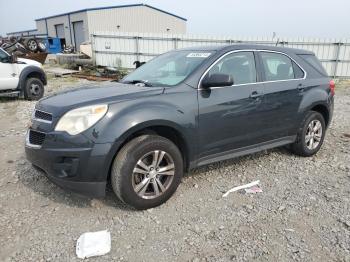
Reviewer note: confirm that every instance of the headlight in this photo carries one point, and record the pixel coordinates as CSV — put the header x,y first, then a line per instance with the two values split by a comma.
x,y
80,119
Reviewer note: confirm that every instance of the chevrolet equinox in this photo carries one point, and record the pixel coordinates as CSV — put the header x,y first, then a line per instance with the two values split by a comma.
x,y
183,109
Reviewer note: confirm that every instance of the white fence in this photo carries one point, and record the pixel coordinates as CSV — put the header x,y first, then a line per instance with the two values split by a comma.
x,y
122,49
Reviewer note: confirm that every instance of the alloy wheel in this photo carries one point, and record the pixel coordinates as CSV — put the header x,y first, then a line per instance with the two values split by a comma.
x,y
153,174
313,134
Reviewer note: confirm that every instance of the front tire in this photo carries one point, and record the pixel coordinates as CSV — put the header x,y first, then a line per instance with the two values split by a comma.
x,y
34,89
310,135
147,171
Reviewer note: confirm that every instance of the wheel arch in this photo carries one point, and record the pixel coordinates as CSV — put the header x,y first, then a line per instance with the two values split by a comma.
x,y
29,72
316,99
38,75
162,128
323,110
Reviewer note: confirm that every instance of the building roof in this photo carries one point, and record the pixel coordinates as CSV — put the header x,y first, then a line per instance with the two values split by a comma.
x,y
111,7
23,31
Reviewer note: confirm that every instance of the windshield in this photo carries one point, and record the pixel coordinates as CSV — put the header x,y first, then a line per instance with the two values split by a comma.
x,y
168,69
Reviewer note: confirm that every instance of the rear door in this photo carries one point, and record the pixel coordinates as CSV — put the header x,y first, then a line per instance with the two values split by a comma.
x,y
229,116
283,90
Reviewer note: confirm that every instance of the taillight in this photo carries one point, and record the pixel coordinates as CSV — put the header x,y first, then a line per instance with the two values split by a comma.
x,y
332,87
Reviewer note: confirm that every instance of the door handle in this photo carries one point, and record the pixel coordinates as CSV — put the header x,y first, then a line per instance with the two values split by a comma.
x,y
255,95
301,87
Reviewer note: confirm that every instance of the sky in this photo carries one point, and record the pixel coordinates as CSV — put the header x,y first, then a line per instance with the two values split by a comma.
x,y
292,18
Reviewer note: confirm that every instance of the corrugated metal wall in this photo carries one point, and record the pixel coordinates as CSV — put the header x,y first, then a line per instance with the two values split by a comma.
x,y
122,49
135,19
41,26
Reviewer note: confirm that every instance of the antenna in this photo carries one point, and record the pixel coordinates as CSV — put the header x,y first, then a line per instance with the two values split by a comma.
x,y
274,34
277,41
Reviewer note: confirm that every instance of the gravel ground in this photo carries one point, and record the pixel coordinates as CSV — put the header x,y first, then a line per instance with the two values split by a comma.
x,y
302,215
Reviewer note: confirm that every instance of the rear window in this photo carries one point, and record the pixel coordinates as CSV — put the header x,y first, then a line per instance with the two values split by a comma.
x,y
314,62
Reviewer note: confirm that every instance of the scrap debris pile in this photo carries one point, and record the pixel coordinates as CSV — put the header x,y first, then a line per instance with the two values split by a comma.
x,y
67,61
26,47
22,45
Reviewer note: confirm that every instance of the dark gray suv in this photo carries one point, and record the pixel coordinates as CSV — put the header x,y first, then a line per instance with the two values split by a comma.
x,y
183,109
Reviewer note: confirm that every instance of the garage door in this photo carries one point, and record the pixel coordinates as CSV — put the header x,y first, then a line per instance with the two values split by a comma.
x,y
60,31
79,35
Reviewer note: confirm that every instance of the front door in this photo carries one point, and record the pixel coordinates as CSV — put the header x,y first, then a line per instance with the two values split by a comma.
x,y
229,116
8,72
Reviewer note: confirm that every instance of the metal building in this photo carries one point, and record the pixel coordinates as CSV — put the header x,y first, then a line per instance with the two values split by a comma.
x,y
73,28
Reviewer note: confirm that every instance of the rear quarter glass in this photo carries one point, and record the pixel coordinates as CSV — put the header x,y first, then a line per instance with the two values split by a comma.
x,y
315,63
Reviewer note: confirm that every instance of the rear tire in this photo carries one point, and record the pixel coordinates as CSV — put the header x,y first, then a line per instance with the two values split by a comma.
x,y
157,181
310,135
34,89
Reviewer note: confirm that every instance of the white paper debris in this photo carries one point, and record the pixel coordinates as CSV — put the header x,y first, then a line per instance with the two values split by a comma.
x,y
241,187
253,190
289,229
92,244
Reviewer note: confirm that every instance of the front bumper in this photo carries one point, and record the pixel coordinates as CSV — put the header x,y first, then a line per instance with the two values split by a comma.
x,y
82,170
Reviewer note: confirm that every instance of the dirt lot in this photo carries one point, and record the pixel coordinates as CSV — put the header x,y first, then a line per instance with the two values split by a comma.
x,y
303,213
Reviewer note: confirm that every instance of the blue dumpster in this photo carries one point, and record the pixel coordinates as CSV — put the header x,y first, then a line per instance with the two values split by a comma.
x,y
53,45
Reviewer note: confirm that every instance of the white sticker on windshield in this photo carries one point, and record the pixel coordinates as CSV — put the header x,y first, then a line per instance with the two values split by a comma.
x,y
200,55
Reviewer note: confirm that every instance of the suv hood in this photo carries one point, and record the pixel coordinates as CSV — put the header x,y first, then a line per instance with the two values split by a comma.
x,y
109,93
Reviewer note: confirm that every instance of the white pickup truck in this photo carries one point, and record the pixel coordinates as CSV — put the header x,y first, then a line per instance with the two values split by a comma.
x,y
21,77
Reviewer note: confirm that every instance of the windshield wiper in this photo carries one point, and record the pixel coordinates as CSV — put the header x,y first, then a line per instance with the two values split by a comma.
x,y
137,82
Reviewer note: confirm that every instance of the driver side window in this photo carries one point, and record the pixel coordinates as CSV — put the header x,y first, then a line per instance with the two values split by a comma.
x,y
240,65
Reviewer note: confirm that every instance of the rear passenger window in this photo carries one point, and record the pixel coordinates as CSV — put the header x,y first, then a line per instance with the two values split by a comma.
x,y
240,65
279,67
298,73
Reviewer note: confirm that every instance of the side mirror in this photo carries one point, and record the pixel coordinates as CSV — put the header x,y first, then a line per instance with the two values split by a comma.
x,y
13,59
217,80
